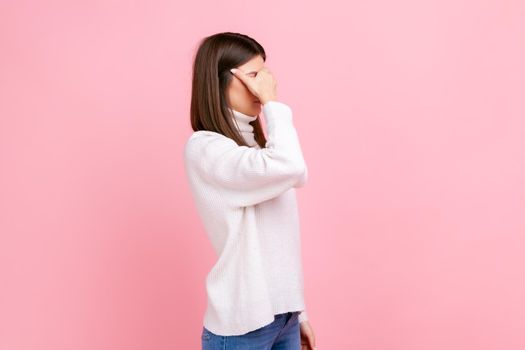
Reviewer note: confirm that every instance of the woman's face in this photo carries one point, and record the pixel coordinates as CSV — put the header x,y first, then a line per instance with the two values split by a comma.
x,y
240,98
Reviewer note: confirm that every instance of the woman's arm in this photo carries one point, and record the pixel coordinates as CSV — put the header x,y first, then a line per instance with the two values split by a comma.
x,y
247,175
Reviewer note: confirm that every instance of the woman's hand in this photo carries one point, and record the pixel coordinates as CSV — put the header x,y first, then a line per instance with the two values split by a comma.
x,y
307,336
263,85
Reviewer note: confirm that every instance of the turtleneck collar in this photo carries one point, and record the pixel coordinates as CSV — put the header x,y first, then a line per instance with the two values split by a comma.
x,y
245,128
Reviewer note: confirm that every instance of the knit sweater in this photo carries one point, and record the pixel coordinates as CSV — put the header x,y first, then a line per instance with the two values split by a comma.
x,y
246,200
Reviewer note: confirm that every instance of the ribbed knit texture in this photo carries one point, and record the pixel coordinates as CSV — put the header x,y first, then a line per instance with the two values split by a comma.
x,y
246,199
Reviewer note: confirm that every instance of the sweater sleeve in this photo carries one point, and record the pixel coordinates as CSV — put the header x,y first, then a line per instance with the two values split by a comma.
x,y
303,178
303,316
248,175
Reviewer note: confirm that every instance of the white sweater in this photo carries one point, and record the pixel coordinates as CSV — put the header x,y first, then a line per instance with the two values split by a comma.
x,y
246,199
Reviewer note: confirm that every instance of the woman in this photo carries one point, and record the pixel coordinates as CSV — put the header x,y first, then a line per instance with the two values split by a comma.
x,y
243,185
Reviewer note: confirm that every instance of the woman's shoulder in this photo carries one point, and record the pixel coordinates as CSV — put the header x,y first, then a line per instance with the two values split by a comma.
x,y
204,142
200,136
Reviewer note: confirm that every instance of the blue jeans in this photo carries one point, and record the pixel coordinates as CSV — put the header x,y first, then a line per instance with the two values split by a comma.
x,y
282,334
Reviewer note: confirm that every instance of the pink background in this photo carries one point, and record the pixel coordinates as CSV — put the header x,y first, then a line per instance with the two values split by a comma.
x,y
411,116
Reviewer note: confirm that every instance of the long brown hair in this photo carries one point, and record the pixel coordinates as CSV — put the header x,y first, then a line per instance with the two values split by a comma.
x,y
214,58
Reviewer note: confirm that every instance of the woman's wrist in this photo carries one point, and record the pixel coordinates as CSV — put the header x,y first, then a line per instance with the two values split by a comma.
x,y
268,99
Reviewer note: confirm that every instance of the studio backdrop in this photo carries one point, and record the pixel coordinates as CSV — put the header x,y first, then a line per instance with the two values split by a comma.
x,y
411,116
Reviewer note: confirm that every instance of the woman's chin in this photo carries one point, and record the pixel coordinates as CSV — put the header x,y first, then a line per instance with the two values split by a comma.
x,y
257,107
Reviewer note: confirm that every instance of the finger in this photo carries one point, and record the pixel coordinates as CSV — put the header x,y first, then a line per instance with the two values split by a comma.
x,y
311,342
247,80
239,74
305,344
